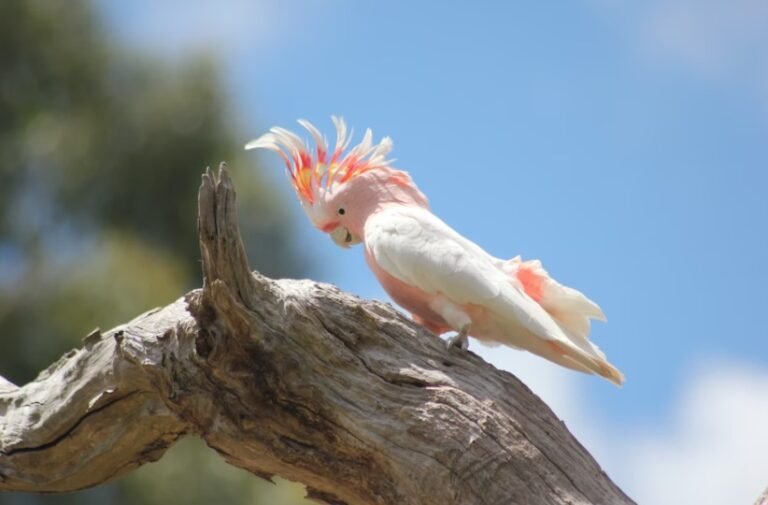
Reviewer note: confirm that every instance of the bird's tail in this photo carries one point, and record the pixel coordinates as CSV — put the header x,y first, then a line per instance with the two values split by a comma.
x,y
572,311
577,359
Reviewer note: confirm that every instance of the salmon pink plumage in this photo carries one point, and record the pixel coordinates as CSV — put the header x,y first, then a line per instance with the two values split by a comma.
x,y
446,281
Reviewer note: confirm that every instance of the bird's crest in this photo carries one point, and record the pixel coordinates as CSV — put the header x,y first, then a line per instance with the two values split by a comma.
x,y
313,173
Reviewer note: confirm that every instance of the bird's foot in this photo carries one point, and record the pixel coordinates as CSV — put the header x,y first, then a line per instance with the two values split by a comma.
x,y
460,340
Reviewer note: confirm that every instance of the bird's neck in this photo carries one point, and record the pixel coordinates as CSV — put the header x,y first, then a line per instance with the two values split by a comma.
x,y
358,228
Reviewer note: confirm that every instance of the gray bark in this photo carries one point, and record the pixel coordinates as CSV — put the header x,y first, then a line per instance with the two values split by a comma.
x,y
293,378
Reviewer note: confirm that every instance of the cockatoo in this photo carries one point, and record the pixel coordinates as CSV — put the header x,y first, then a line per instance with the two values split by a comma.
x,y
446,281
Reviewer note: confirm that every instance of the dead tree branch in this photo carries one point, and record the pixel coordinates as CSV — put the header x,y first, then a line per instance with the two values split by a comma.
x,y
292,378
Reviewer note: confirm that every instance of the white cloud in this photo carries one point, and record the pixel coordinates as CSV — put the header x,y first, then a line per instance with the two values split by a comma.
x,y
711,36
723,41
228,29
715,451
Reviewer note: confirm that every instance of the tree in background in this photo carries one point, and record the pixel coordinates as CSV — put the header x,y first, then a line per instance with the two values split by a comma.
x,y
100,156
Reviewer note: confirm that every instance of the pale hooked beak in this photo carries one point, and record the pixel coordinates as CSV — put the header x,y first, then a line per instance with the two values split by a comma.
x,y
344,237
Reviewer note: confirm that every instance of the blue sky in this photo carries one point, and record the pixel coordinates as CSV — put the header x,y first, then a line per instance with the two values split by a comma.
x,y
625,145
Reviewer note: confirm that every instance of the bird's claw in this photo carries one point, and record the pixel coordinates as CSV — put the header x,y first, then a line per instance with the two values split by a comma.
x,y
460,340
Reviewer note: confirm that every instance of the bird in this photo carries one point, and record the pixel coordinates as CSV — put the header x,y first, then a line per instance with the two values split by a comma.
x,y
446,281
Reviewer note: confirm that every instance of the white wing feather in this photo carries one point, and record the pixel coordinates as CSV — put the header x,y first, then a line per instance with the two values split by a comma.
x,y
416,247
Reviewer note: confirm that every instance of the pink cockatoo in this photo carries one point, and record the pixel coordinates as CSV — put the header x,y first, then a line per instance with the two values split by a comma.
x,y
446,281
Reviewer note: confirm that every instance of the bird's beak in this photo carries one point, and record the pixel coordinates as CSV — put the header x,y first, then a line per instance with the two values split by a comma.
x,y
344,237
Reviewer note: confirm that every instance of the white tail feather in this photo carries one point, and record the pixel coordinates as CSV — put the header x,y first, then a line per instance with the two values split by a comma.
x,y
571,310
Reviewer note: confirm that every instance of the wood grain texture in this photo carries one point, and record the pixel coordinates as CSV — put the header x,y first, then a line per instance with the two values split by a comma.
x,y
294,378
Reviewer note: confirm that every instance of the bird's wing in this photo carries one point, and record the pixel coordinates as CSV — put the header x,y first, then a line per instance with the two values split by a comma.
x,y
416,247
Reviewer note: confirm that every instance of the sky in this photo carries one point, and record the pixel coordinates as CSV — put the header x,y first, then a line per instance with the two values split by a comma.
x,y
625,144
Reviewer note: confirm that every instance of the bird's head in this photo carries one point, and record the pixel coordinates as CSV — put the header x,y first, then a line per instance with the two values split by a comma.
x,y
339,190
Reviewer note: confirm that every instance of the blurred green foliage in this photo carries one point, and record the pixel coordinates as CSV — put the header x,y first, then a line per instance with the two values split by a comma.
x,y
101,151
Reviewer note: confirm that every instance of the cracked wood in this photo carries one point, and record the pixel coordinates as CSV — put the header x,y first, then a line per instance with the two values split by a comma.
x,y
294,378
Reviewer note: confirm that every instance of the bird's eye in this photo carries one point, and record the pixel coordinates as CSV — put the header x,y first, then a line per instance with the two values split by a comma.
x,y
342,211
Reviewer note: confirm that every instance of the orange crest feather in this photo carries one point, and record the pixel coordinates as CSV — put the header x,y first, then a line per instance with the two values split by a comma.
x,y
312,173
